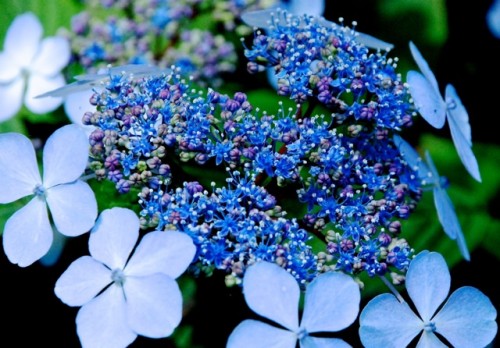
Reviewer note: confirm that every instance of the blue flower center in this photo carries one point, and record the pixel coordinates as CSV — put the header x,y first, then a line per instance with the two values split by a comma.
x,y
430,327
118,277
39,191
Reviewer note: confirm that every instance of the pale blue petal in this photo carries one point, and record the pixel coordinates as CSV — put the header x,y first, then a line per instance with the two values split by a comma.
x,y
272,292
9,70
154,305
458,120
114,236
412,157
428,102
73,207
467,319
167,252
331,303
449,219
65,156
103,323
465,152
38,84
256,334
55,250
27,235
11,98
493,18
272,78
52,57
300,7
428,282
82,281
315,342
385,322
429,340
23,38
75,106
424,68
458,113
18,167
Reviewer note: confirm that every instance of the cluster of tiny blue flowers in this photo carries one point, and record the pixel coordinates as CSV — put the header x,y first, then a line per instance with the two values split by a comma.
x,y
353,184
319,61
147,32
233,227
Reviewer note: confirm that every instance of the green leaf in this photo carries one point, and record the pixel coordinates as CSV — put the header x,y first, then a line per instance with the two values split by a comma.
x,y
14,124
108,197
53,14
426,20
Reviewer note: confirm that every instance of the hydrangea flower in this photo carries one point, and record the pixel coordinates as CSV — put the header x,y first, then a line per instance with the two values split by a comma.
x,y
331,304
28,234
30,66
121,296
467,319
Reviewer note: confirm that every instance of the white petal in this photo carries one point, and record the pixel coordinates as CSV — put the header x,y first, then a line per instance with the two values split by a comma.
x,y
39,84
11,98
9,70
314,342
428,282
385,322
114,236
467,319
65,156
23,38
76,104
168,252
27,234
103,323
256,334
154,305
272,292
82,281
53,56
331,303
73,207
18,167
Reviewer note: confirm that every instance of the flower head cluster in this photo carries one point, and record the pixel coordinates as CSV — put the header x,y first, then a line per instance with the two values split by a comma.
x,y
352,182
147,32
320,61
232,227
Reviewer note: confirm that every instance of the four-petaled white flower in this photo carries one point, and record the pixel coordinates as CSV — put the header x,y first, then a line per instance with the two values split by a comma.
x,y
28,234
331,304
467,319
122,298
30,65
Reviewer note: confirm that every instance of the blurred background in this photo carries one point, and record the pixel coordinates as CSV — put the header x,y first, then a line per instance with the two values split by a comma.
x,y
454,38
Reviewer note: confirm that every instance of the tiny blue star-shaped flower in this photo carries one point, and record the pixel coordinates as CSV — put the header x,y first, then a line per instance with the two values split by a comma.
x,y
467,319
